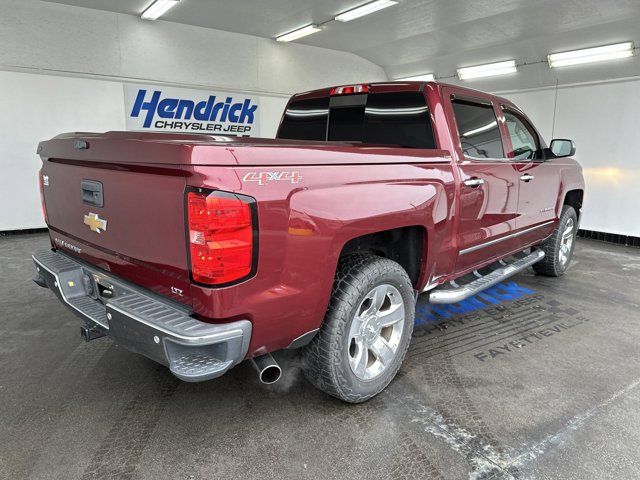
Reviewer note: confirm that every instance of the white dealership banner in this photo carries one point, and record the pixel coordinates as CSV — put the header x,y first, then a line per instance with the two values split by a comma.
x,y
174,109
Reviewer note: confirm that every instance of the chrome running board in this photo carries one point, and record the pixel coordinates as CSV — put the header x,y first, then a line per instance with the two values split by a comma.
x,y
454,292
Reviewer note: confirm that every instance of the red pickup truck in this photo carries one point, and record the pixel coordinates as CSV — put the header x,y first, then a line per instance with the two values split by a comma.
x,y
201,251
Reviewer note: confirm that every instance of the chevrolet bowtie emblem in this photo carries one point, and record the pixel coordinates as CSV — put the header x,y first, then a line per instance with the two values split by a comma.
x,y
95,223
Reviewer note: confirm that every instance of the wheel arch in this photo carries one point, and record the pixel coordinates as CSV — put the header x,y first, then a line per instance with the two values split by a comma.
x,y
574,199
405,245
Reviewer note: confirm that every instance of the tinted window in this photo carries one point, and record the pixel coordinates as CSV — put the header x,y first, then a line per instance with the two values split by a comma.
x,y
478,129
305,120
398,118
345,123
383,118
523,138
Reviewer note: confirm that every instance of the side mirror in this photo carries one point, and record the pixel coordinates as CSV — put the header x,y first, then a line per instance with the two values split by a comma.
x,y
561,147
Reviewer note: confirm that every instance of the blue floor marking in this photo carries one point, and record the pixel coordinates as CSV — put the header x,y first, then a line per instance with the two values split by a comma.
x,y
503,292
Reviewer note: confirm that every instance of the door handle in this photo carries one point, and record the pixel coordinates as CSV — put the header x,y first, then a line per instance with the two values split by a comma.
x,y
526,177
92,193
474,182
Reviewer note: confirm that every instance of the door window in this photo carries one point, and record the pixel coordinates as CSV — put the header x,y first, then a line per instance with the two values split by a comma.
x,y
478,129
524,141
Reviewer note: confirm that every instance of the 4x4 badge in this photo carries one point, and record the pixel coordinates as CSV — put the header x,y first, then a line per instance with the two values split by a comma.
x,y
95,223
263,177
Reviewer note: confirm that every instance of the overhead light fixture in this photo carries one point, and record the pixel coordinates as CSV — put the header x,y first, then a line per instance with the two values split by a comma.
x,y
298,33
363,10
588,55
157,9
488,70
425,77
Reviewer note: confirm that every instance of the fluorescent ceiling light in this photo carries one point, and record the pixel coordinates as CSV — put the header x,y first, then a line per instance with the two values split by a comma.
x,y
363,10
157,9
299,33
588,55
425,77
488,70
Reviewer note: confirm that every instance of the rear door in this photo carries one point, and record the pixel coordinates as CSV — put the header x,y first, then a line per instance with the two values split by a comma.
x,y
488,199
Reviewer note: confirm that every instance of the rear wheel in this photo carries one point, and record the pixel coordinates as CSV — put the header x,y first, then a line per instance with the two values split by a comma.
x,y
558,248
366,331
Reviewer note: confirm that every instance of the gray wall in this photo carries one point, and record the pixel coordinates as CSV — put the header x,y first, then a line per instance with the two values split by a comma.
x,y
603,118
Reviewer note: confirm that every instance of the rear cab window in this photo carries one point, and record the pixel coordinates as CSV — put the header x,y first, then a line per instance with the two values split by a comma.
x,y
392,118
305,120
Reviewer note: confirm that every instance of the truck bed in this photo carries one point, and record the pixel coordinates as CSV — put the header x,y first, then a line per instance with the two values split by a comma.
x,y
118,147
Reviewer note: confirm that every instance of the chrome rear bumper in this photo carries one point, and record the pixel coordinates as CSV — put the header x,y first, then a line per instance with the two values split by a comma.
x,y
143,322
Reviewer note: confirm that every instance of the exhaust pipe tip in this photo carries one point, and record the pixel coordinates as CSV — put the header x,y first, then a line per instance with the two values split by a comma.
x,y
271,374
268,369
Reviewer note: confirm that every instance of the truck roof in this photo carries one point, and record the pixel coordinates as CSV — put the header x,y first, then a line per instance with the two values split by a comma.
x,y
394,86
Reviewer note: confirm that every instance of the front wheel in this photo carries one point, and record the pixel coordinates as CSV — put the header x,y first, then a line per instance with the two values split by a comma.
x,y
366,331
558,248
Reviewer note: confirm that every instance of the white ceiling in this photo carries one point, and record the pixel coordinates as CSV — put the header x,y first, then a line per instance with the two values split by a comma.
x,y
422,36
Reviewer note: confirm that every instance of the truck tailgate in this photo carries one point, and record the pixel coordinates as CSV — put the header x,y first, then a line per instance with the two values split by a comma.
x,y
133,226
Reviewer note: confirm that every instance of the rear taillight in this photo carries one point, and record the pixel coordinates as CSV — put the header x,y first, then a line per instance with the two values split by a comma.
x,y
349,89
44,207
221,236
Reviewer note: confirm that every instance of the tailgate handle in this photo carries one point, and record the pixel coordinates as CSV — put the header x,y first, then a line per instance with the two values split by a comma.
x,y
92,193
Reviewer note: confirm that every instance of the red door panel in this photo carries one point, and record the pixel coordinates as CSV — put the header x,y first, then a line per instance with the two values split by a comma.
x,y
488,198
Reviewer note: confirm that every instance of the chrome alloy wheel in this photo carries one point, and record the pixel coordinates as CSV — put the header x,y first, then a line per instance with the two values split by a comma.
x,y
566,243
376,331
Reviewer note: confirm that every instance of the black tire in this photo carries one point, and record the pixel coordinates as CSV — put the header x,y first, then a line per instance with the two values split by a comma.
x,y
551,265
327,356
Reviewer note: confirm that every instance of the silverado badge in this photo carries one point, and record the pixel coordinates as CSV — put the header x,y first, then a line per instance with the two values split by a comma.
x,y
95,223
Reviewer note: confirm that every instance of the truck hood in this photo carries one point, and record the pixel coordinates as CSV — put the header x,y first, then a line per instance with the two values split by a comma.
x,y
199,149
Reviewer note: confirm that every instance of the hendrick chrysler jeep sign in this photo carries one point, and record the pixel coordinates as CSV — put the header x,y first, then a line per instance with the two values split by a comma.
x,y
150,107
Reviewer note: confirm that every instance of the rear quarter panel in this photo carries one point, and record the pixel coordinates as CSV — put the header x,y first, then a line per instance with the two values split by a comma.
x,y
303,227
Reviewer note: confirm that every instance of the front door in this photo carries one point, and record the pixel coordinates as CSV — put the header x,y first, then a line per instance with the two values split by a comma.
x,y
539,179
488,206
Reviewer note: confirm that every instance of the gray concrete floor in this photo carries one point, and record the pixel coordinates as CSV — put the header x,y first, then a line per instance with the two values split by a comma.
x,y
538,378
